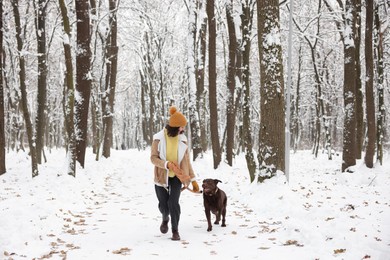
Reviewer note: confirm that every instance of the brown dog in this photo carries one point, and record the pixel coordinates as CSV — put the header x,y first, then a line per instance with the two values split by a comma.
x,y
214,200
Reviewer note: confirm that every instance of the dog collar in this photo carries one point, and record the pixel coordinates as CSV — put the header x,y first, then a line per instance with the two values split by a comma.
x,y
210,194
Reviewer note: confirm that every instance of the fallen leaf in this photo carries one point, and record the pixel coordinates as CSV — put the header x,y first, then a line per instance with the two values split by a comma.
x,y
122,251
339,251
292,242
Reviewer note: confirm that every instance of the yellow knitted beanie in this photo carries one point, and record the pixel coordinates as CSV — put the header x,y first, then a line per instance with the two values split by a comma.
x,y
177,119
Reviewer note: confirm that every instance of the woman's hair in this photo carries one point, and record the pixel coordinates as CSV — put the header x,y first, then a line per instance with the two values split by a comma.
x,y
172,131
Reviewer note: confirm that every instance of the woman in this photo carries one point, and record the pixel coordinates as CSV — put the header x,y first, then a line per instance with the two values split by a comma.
x,y
171,159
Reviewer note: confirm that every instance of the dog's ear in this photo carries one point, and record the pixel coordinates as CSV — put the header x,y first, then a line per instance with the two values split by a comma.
x,y
216,181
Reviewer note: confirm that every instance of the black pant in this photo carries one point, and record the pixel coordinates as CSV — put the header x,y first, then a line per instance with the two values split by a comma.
x,y
168,201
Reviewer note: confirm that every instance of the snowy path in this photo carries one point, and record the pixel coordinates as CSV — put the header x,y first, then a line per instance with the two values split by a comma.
x,y
110,212
128,224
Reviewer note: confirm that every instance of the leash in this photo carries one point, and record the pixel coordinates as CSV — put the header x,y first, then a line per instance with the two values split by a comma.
x,y
187,188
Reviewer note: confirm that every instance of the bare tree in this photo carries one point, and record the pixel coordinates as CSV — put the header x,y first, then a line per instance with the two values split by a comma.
x,y
231,82
23,88
296,122
349,134
112,67
148,92
272,125
83,78
40,24
370,101
246,27
358,83
320,107
380,87
191,71
69,92
213,84
200,74
347,33
2,127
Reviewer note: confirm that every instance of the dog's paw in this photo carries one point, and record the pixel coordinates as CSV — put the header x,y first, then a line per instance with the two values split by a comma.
x,y
216,222
223,225
209,229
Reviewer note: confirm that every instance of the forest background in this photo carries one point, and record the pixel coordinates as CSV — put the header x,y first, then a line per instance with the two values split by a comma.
x,y
99,73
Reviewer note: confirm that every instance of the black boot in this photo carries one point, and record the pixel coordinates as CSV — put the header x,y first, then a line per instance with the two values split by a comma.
x,y
175,235
164,226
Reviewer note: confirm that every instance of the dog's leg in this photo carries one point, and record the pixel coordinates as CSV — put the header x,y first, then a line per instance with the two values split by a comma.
x,y
223,217
218,217
224,213
208,217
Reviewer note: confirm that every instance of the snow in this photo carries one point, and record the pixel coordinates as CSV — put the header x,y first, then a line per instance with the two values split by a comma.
x,y
109,211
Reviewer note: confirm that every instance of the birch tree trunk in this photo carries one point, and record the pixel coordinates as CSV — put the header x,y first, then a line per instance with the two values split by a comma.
x,y
69,92
272,124
83,78
370,101
23,89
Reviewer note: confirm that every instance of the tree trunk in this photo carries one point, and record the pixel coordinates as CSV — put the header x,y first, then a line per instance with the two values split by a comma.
x,y
358,86
272,124
2,126
349,93
113,60
191,70
295,119
370,101
145,123
40,13
83,78
148,91
380,88
231,82
69,92
213,85
94,125
246,20
23,89
200,91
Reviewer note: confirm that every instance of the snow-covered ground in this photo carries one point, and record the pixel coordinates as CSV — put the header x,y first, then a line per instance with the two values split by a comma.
x,y
109,211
